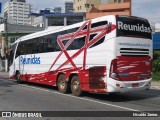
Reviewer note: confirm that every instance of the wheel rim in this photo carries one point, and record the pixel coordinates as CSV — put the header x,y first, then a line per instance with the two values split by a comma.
x,y
76,86
18,76
62,84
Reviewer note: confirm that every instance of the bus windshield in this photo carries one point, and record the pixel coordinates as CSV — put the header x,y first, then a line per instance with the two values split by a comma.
x,y
133,27
11,56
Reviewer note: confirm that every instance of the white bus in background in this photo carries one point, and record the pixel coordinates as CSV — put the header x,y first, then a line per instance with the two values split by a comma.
x,y
104,55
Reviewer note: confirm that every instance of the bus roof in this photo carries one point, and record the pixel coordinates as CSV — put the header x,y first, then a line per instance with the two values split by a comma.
x,y
62,28
54,30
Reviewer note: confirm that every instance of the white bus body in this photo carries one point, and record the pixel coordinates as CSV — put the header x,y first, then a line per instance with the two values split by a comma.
x,y
105,55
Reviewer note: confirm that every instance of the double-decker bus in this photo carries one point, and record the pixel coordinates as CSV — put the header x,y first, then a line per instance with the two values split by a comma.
x,y
104,55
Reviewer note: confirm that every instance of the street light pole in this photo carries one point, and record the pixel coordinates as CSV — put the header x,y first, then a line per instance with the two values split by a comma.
x,y
6,42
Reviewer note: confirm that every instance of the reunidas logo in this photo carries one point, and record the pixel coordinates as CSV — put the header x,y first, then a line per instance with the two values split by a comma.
x,y
136,28
30,60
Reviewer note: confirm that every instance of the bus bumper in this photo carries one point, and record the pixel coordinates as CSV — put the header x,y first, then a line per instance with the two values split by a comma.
x,y
129,86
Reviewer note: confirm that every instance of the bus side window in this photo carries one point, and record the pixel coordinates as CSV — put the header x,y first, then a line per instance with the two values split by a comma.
x,y
54,38
99,24
48,45
51,44
40,46
20,49
28,46
98,43
57,47
78,43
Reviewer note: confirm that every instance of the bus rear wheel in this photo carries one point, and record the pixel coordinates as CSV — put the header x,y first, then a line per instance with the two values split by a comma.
x,y
18,77
75,86
62,84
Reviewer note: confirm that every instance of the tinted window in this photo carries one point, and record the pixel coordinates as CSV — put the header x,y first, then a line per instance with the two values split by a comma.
x,y
133,27
21,49
48,43
98,24
92,36
77,43
34,46
11,56
99,42
85,27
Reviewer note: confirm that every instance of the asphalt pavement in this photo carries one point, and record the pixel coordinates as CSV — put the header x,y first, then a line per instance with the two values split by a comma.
x,y
33,97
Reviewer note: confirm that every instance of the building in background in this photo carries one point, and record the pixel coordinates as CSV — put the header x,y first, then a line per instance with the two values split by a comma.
x,y
85,5
51,10
17,11
57,10
68,7
117,1
115,7
36,19
56,19
10,35
15,31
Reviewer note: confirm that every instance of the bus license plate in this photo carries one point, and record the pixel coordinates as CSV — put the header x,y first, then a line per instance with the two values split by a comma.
x,y
135,85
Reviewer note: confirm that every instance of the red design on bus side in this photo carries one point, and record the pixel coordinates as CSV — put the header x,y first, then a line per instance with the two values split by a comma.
x,y
102,30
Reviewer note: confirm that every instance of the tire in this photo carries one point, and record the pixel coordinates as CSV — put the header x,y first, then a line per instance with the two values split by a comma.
x,y
75,86
18,75
62,84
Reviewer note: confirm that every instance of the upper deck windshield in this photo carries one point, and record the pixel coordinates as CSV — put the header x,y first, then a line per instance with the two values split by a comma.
x,y
133,27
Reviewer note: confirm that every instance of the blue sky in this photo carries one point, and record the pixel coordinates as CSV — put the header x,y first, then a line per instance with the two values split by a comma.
x,y
149,9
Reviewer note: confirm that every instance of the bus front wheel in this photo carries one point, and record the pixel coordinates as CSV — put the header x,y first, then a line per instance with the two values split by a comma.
x,y
62,84
18,77
75,86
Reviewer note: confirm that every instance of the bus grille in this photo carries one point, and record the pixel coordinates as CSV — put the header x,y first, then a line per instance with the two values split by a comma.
x,y
134,52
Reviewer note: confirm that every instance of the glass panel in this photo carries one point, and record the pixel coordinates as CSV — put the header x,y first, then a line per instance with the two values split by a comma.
x,y
133,27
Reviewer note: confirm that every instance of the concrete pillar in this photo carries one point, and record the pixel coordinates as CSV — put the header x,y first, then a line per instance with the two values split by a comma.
x,y
6,65
65,21
84,18
3,47
45,22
